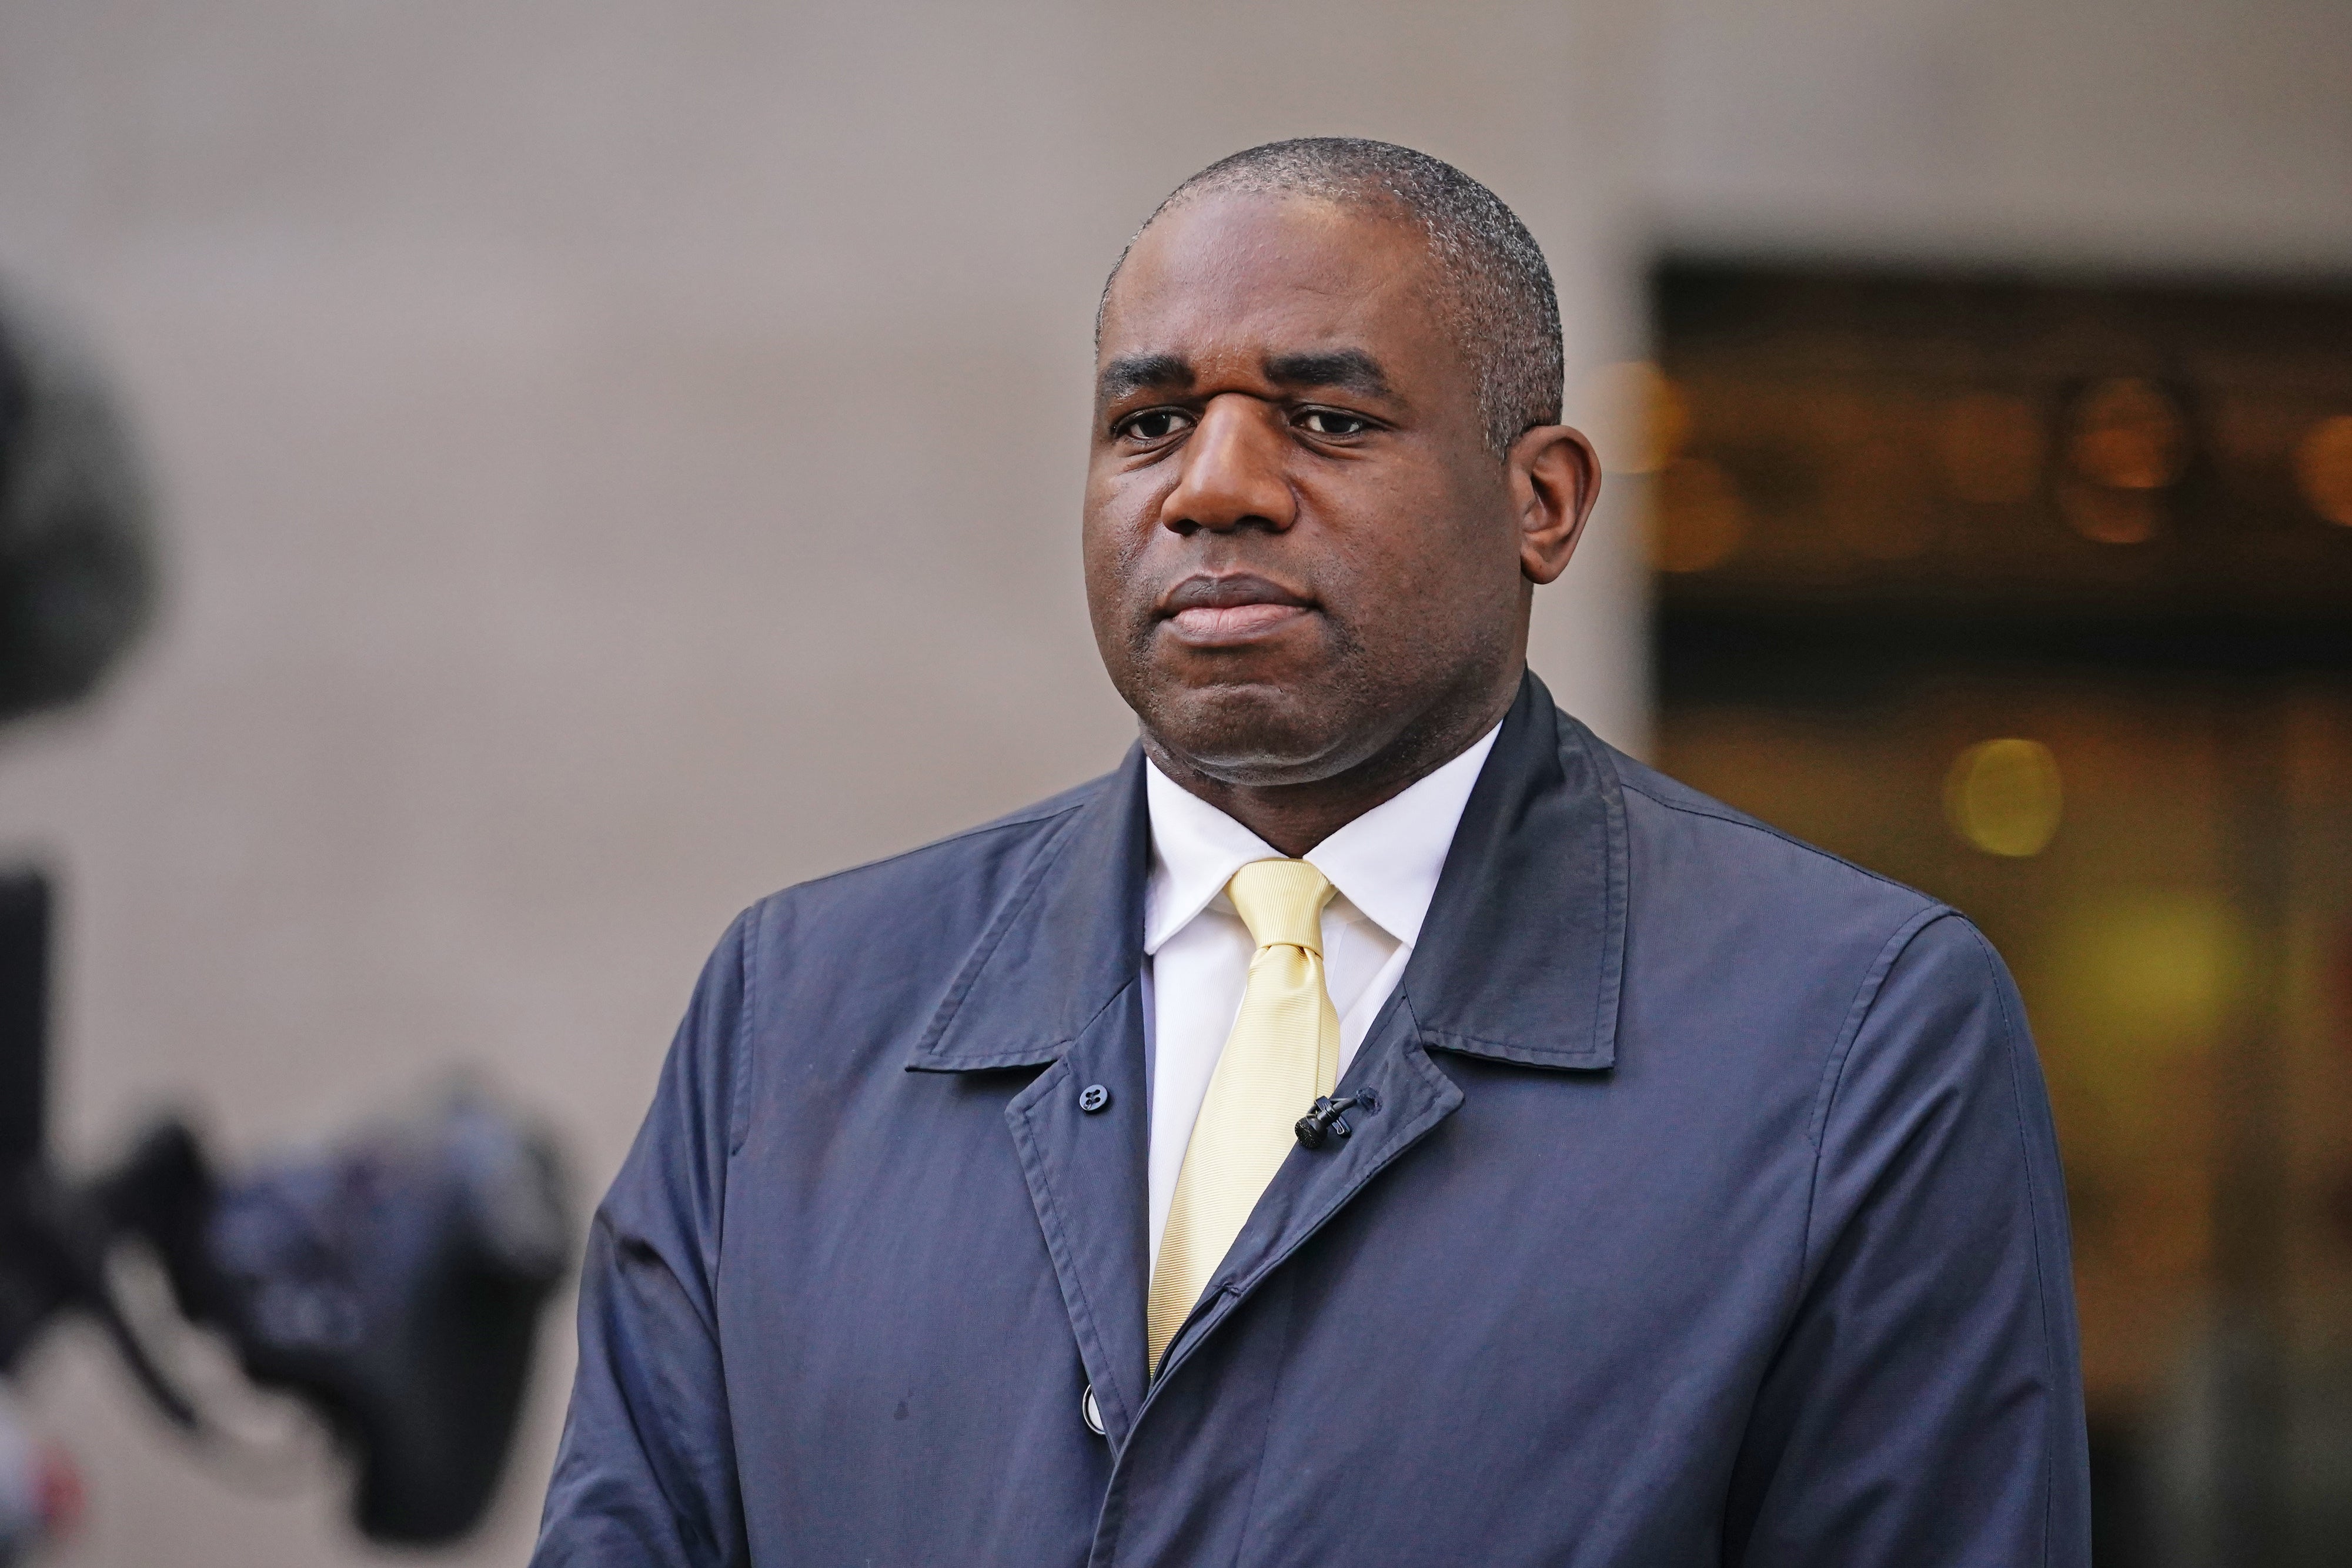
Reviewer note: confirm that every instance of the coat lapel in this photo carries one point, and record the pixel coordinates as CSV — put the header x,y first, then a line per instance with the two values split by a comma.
x,y
1089,1179
1057,982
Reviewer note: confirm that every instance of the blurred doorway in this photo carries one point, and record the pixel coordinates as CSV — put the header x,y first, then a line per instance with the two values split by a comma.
x,y
2036,595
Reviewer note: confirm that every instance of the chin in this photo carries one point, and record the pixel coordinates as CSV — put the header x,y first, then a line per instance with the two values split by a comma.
x,y
1253,735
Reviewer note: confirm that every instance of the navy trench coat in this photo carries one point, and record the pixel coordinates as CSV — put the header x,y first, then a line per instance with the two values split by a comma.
x,y
1711,1214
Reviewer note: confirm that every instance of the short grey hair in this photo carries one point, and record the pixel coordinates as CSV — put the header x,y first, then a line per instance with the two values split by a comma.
x,y
1500,301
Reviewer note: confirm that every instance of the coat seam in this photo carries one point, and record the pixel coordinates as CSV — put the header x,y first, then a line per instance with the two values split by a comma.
x,y
746,942
1865,1001
681,1517
739,1119
2032,1217
747,926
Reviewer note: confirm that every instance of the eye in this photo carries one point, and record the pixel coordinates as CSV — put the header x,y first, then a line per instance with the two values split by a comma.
x,y
1331,422
1153,424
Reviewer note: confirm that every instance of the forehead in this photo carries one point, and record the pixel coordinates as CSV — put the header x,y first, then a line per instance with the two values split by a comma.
x,y
1250,273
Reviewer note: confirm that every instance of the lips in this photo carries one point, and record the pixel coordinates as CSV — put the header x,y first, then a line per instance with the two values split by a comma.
x,y
1213,612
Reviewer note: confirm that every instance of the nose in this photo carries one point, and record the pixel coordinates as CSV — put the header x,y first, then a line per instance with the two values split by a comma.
x,y
1233,472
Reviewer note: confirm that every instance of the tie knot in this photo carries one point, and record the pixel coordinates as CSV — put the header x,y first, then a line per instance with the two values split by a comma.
x,y
1282,902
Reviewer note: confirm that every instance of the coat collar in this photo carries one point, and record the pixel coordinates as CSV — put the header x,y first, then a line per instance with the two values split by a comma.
x,y
1521,959
1523,954
1066,943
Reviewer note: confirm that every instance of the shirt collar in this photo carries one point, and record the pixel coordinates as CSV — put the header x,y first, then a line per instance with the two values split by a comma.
x,y
1386,863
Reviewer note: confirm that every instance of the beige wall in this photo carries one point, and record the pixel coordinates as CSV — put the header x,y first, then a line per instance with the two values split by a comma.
x,y
615,465
2131,133
624,457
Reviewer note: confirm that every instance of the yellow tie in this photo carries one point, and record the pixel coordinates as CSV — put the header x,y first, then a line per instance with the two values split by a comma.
x,y
1284,1052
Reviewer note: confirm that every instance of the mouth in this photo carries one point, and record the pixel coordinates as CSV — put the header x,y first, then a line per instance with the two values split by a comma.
x,y
1220,612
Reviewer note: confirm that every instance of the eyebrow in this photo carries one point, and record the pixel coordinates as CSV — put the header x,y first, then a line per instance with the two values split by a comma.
x,y
1349,370
1142,372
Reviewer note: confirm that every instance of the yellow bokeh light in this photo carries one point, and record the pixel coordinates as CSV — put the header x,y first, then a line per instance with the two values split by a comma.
x,y
2004,797
2128,435
2149,967
2323,466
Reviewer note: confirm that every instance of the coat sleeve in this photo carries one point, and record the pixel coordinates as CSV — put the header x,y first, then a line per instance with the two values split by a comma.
x,y
1926,1407
646,1474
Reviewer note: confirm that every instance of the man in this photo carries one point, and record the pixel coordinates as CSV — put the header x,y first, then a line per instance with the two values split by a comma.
x,y
1379,1124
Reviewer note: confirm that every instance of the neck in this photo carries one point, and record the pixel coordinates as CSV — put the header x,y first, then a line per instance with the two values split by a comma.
x,y
1296,817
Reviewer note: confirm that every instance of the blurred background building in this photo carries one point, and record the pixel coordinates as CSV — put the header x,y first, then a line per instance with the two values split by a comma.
x,y
615,462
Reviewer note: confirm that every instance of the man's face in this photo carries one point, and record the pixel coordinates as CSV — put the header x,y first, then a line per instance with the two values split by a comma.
x,y
1299,550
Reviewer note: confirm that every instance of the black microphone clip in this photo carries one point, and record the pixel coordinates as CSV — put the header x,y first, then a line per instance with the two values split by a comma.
x,y
1329,1119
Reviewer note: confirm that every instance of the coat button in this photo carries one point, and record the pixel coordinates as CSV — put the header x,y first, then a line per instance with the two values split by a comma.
x,y
1094,1097
1091,1413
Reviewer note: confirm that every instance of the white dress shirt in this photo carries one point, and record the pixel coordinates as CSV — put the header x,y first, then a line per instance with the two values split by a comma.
x,y
1197,951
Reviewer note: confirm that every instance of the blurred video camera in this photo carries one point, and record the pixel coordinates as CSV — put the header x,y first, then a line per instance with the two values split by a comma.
x,y
391,1283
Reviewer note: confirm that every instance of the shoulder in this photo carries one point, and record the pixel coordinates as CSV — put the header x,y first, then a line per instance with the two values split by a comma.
x,y
1695,845
1721,901
1732,919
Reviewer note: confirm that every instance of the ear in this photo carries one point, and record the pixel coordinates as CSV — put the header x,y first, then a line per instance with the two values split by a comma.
x,y
1555,479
